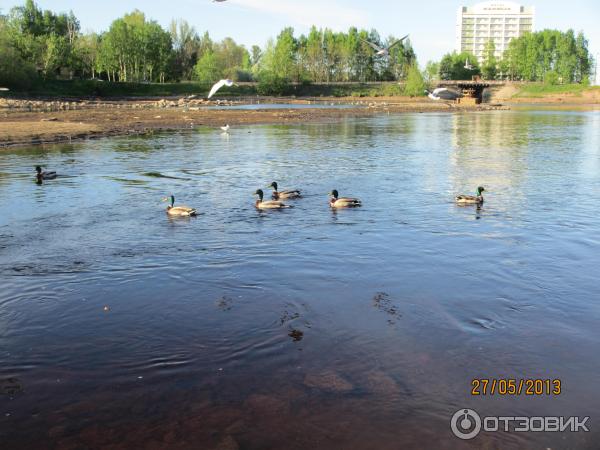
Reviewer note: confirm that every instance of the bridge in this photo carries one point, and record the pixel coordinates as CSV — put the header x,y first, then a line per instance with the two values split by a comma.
x,y
471,89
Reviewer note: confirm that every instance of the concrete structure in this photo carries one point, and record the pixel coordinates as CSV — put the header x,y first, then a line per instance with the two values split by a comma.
x,y
496,20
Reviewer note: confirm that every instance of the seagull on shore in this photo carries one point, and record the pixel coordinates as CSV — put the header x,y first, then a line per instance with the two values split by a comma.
x,y
383,51
218,85
443,94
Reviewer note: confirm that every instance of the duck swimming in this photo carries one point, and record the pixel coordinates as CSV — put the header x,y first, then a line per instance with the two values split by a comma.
x,y
277,195
268,204
181,211
342,202
471,199
41,175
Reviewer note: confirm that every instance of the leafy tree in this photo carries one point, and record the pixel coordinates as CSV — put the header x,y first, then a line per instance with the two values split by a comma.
x,y
187,49
531,56
14,69
452,66
432,71
207,69
490,63
415,85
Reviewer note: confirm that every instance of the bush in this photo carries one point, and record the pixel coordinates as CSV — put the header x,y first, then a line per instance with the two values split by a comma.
x,y
15,72
270,84
415,85
551,77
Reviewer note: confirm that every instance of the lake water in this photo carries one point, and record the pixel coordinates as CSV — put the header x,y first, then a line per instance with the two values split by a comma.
x,y
303,328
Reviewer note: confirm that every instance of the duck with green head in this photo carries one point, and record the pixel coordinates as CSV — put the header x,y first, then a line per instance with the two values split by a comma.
x,y
268,204
43,175
280,195
181,211
471,199
335,201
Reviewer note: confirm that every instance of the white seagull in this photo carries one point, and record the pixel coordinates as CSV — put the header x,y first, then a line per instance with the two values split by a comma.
x,y
4,89
383,51
467,65
218,85
225,128
443,94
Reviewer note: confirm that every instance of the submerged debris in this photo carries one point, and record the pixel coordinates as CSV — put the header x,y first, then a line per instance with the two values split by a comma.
x,y
224,303
296,335
328,381
11,386
383,302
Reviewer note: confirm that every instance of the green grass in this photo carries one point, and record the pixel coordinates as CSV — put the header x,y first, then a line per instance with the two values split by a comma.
x,y
538,90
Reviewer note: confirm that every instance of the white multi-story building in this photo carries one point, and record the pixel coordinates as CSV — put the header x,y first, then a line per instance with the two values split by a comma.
x,y
495,20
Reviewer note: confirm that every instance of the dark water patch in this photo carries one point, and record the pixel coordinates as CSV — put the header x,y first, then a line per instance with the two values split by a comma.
x,y
224,303
384,303
11,386
128,181
160,175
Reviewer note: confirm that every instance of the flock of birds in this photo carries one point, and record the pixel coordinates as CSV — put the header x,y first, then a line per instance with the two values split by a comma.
x,y
277,197
335,201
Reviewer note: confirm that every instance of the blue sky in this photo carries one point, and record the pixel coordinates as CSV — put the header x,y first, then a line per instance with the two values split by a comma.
x,y
431,23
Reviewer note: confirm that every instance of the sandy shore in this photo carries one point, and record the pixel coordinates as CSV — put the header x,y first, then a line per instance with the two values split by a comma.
x,y
41,122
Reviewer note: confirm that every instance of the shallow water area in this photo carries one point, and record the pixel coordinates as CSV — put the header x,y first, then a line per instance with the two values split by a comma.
x,y
288,106
304,328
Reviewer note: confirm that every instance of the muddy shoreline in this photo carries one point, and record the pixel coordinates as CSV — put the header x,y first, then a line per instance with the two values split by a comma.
x,y
36,122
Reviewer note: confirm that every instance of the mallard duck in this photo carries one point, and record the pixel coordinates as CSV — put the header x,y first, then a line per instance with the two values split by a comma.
x,y
471,199
291,193
343,202
41,175
268,204
182,211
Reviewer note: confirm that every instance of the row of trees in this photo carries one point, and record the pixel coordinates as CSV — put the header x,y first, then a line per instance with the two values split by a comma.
x,y
36,43
551,56
327,56
50,45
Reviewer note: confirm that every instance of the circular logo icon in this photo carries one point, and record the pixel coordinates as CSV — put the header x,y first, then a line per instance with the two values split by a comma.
x,y
465,424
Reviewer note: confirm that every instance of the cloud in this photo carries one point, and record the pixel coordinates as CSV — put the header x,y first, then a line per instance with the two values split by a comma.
x,y
322,13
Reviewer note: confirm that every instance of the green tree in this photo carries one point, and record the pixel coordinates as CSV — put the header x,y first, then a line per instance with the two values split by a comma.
x,y
207,69
432,71
415,85
452,66
490,63
531,56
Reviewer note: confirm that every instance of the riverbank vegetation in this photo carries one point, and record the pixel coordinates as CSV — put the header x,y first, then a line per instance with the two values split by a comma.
x,y
38,46
45,53
549,56
540,90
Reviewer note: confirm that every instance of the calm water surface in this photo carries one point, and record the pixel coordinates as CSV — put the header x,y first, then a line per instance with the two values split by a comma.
x,y
305,328
313,105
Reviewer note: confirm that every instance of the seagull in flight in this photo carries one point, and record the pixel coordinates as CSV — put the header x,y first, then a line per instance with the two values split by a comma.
x,y
443,94
4,89
468,66
383,51
218,85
